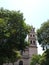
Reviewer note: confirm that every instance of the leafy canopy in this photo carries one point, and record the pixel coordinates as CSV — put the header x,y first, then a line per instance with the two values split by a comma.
x,y
44,60
35,59
43,34
13,31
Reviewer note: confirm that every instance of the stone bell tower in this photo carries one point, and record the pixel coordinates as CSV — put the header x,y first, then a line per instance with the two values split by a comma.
x,y
33,44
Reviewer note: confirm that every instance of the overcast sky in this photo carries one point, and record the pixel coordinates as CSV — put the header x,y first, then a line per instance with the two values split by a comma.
x,y
35,11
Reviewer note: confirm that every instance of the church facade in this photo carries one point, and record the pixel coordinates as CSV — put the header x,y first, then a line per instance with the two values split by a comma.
x,y
29,51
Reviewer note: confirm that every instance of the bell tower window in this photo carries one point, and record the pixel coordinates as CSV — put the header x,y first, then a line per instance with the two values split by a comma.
x,y
31,42
34,42
33,35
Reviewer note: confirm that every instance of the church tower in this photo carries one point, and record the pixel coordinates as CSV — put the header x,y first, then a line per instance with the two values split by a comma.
x,y
33,44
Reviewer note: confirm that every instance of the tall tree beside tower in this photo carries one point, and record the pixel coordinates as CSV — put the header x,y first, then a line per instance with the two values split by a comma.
x,y
43,34
43,39
13,31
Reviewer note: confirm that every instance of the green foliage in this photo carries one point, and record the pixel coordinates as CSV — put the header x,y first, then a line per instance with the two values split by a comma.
x,y
13,31
35,59
43,39
41,60
44,60
43,34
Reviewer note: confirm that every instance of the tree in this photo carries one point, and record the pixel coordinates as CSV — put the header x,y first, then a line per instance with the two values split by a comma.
x,y
43,39
2,26
44,60
43,34
13,31
35,59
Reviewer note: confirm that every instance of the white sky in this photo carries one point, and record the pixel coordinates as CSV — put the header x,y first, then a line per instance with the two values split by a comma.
x,y
35,11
